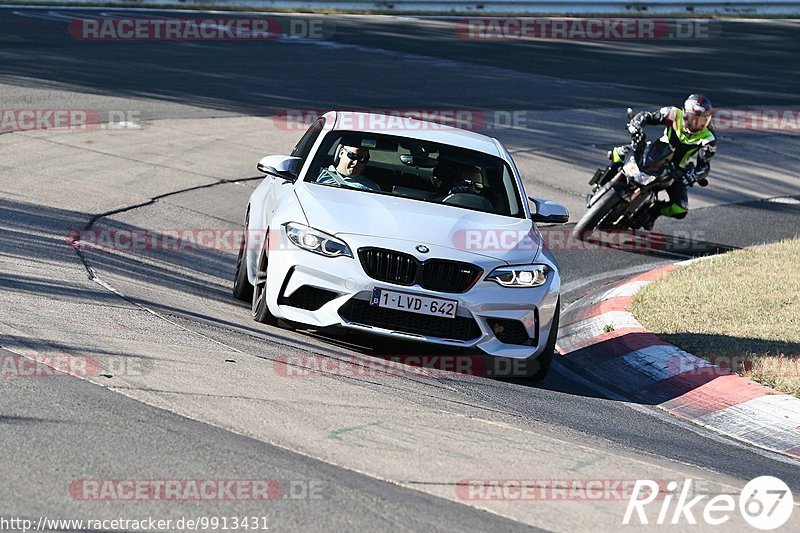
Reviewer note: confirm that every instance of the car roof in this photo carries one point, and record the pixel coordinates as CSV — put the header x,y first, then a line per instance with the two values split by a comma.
x,y
412,128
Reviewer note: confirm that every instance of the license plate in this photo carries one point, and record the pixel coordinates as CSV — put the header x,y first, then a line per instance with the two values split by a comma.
x,y
414,303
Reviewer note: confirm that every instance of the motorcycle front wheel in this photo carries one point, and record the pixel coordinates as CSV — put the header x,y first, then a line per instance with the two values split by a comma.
x,y
596,214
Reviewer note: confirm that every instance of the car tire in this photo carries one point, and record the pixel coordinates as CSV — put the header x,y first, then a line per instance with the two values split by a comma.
x,y
546,358
242,288
259,306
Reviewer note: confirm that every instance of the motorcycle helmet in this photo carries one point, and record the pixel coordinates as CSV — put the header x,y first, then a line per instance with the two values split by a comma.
x,y
696,113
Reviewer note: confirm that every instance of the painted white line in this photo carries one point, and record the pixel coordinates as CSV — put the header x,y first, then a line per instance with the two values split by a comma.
x,y
697,259
655,363
785,200
63,16
628,289
34,15
578,333
769,421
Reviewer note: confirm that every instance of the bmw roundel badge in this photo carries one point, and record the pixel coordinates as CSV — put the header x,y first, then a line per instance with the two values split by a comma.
x,y
421,248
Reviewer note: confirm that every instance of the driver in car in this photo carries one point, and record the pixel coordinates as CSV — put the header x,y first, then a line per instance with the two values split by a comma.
x,y
348,164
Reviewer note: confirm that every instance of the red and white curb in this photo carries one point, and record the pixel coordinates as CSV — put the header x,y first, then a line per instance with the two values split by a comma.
x,y
605,340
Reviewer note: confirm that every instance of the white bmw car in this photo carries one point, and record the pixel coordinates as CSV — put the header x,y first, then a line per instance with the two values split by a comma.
x,y
405,229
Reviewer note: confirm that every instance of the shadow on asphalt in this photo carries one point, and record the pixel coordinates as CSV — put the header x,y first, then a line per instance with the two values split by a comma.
x,y
727,345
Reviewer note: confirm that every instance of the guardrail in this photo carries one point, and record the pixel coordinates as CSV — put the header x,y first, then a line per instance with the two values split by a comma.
x,y
477,7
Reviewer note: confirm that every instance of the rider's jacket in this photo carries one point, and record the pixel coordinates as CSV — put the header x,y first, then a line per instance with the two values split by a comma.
x,y
697,148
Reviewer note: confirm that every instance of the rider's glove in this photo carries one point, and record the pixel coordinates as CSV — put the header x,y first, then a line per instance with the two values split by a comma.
x,y
700,173
635,125
689,175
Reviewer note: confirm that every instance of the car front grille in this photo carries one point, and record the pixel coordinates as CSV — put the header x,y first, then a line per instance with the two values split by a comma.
x,y
448,276
458,328
405,269
386,265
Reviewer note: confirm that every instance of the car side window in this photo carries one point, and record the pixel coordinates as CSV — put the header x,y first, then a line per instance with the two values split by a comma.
x,y
303,147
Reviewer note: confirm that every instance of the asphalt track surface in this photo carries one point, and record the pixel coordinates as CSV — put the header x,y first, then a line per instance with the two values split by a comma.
x,y
56,431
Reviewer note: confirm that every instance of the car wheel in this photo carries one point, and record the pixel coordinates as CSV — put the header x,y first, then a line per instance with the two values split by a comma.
x,y
259,302
242,288
546,359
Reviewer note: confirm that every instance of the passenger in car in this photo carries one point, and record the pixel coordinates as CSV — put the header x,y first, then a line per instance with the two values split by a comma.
x,y
461,184
347,167
469,180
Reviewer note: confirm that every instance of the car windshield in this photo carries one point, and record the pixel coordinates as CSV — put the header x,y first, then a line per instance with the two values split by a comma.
x,y
418,170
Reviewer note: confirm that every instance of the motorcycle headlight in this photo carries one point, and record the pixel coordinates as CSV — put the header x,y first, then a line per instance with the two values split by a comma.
x,y
316,241
644,179
520,276
631,168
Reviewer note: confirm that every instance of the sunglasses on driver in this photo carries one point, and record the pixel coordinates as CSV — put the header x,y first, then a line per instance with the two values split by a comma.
x,y
357,157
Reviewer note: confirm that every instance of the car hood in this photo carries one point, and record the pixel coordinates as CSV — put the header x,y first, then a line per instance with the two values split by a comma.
x,y
342,211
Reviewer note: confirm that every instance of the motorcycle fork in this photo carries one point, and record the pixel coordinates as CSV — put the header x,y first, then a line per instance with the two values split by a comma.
x,y
630,198
640,199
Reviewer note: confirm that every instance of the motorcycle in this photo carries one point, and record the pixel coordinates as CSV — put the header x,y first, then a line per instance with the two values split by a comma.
x,y
623,192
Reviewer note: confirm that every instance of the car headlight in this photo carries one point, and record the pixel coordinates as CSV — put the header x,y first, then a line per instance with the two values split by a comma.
x,y
316,241
520,276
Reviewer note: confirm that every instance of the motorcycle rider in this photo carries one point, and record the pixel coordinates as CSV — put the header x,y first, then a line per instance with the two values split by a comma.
x,y
688,130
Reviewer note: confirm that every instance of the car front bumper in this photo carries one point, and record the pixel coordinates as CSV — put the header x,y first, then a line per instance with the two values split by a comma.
x,y
487,303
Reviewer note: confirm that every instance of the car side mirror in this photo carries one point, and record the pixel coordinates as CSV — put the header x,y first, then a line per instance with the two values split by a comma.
x,y
549,212
282,166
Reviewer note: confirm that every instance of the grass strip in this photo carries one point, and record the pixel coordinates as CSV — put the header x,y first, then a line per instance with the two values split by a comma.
x,y
740,310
